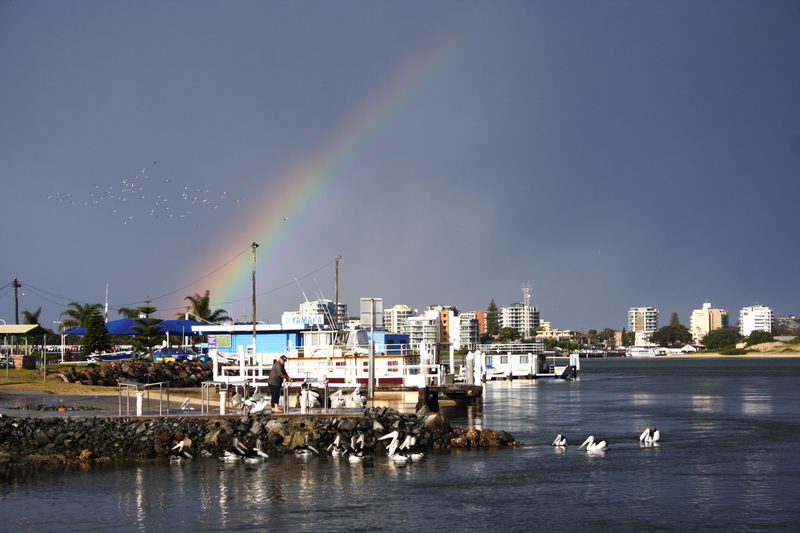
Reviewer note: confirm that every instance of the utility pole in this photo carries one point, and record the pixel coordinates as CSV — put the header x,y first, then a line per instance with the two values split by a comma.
x,y
336,309
16,284
254,246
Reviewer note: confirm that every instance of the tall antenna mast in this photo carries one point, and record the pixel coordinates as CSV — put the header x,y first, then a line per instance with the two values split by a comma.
x,y
105,308
336,308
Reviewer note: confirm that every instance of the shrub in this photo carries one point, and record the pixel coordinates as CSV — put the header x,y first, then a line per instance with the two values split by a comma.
x,y
733,351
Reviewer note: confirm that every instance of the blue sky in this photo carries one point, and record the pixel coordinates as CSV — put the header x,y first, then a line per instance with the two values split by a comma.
x,y
614,154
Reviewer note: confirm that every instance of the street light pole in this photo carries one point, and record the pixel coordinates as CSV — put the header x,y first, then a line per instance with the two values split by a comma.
x,y
62,338
253,246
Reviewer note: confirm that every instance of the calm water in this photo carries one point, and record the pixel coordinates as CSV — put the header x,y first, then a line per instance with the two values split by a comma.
x,y
728,461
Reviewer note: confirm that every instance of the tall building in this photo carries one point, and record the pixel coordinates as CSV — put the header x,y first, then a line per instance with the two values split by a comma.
x,y
521,316
396,317
423,328
705,320
755,318
642,321
481,316
469,332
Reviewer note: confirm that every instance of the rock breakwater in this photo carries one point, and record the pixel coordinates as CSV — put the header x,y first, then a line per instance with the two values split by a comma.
x,y
178,373
101,439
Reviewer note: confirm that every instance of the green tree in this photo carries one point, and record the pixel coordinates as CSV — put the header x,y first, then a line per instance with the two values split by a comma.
x,y
720,338
96,338
492,319
201,309
147,328
671,336
31,317
758,336
77,315
508,335
608,337
628,337
674,320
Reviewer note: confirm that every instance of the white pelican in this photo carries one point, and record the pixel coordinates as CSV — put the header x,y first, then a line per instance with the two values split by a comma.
x,y
560,441
336,447
178,452
416,451
592,445
255,455
650,436
236,453
358,451
305,450
395,451
337,402
309,398
355,399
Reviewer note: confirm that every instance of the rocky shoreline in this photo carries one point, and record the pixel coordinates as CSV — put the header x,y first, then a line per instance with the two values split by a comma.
x,y
178,373
106,439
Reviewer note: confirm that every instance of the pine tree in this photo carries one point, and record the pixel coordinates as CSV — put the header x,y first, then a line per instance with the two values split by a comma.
x,y
96,338
492,319
147,329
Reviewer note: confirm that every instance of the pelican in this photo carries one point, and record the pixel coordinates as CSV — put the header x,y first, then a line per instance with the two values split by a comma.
x,y
236,453
305,450
649,436
177,453
416,451
337,402
337,448
309,398
560,441
592,445
256,454
355,399
395,451
358,453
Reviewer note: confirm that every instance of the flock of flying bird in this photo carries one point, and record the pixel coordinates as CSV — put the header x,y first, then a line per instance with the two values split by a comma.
x,y
143,196
648,437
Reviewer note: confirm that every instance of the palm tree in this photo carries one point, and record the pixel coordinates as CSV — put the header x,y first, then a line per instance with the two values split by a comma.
x,y
201,309
31,318
78,315
129,312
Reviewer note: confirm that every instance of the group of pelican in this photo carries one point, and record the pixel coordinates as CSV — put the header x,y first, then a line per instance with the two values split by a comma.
x,y
400,453
239,452
648,437
353,400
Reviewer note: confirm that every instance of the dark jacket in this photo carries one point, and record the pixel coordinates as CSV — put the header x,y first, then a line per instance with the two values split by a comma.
x,y
278,373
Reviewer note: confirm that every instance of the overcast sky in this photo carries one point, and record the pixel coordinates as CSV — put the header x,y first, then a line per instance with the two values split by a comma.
x,y
614,154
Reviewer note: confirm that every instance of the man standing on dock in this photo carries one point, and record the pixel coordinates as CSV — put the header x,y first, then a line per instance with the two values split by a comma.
x,y
276,377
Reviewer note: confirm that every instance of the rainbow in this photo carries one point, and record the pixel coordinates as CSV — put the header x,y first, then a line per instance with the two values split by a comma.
x,y
282,205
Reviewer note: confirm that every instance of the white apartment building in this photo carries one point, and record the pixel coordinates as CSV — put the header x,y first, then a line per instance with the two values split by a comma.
x,y
395,318
469,331
705,320
642,321
755,318
521,316
423,328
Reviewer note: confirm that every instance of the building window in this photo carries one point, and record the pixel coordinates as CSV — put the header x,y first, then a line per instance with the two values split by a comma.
x,y
489,360
503,359
340,363
523,359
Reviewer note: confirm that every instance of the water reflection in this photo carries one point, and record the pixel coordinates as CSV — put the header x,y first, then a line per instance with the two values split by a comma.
x,y
707,404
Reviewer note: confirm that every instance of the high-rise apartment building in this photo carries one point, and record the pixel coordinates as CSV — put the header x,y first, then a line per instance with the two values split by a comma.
x,y
469,334
521,316
755,318
705,320
424,328
642,321
396,317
